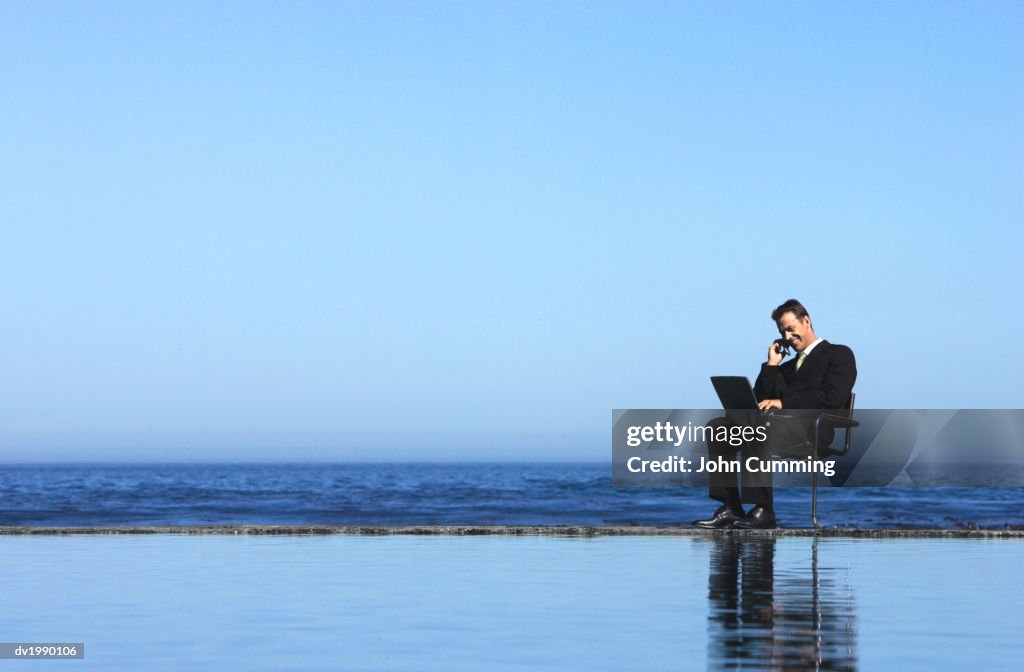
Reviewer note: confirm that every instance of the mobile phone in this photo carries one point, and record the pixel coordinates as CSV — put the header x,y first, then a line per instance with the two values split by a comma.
x,y
782,346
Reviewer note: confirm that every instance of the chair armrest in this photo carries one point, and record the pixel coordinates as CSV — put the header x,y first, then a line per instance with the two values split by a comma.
x,y
837,421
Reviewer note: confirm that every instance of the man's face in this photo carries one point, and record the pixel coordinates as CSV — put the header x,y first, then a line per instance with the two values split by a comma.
x,y
797,332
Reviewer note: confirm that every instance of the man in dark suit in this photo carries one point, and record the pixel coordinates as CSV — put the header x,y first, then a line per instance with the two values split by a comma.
x,y
821,376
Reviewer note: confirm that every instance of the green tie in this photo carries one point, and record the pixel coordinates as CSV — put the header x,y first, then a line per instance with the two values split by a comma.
x,y
800,360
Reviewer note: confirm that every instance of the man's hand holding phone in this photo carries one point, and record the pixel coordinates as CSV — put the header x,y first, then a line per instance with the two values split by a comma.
x,y
776,351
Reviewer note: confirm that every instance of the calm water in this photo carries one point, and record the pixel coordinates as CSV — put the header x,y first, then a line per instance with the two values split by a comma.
x,y
482,494
492,603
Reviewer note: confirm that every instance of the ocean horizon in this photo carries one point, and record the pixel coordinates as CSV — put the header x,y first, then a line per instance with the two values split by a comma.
x,y
440,493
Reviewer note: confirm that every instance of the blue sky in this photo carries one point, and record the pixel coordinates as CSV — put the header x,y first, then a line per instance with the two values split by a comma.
x,y
469,230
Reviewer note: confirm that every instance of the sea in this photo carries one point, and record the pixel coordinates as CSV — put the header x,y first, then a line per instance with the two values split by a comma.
x,y
58,495
409,603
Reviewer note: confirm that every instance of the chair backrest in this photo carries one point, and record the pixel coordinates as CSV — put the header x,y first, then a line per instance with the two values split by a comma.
x,y
846,440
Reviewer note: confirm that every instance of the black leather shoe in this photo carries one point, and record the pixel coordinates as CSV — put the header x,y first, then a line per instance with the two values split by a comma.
x,y
757,519
722,518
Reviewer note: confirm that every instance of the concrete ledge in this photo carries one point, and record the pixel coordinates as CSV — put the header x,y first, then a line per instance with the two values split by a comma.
x,y
516,530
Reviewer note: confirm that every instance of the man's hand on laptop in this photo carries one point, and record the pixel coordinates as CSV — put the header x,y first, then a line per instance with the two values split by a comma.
x,y
768,404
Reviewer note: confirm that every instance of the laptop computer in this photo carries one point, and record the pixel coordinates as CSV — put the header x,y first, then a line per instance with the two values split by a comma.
x,y
735,392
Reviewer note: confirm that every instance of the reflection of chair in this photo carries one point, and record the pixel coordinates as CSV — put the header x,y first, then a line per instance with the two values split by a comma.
x,y
829,421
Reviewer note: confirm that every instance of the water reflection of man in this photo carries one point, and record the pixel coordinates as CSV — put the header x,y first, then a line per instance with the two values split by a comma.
x,y
803,620
821,376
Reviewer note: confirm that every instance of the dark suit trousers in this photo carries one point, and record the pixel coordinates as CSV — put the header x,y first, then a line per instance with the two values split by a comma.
x,y
782,434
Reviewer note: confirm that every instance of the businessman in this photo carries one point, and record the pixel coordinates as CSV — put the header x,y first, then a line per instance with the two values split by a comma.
x,y
821,376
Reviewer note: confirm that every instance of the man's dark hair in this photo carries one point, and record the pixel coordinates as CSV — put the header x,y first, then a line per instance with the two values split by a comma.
x,y
791,306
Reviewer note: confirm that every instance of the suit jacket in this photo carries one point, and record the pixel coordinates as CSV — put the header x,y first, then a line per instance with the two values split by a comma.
x,y
825,379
